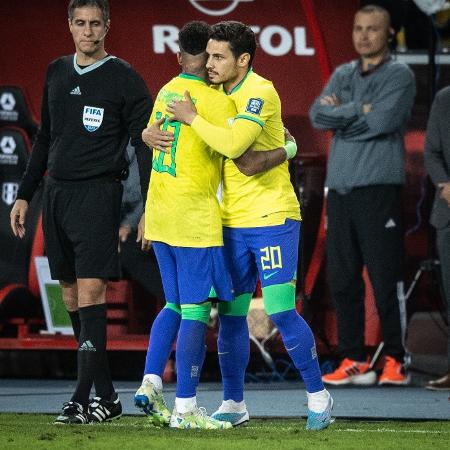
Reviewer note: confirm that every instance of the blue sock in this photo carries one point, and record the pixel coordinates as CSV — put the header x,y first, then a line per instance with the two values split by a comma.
x,y
162,336
190,356
233,347
299,342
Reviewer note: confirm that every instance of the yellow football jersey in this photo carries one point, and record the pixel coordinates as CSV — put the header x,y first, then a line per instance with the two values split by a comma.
x,y
267,198
182,207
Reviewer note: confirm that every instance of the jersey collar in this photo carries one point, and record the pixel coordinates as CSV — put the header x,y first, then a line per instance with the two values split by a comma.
x,y
241,82
188,76
91,67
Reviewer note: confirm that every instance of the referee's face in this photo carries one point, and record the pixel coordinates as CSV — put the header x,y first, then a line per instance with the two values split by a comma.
x,y
88,30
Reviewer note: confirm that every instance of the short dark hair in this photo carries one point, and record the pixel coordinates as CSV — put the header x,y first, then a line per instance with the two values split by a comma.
x,y
240,37
194,37
102,5
368,9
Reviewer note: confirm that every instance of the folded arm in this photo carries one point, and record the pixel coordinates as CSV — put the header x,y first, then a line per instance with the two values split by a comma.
x,y
387,114
328,112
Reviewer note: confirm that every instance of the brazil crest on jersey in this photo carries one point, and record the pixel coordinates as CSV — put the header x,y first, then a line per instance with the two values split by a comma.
x,y
267,198
182,207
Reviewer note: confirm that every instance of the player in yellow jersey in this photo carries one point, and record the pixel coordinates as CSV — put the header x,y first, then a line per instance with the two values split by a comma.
x,y
182,220
261,218
182,217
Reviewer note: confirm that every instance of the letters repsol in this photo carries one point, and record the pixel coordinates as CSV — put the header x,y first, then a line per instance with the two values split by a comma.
x,y
274,40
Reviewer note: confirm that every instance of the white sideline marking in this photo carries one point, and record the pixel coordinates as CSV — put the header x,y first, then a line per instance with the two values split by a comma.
x,y
356,430
341,430
387,430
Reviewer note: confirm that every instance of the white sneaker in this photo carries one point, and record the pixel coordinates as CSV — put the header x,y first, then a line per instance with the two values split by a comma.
x,y
320,421
197,418
234,412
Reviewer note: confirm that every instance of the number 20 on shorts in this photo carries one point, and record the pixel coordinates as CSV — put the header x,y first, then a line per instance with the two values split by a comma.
x,y
271,258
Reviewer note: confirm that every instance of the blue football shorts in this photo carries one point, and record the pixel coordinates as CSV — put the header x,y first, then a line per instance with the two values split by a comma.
x,y
268,252
189,273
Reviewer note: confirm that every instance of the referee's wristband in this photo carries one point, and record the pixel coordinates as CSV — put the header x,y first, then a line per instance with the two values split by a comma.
x,y
291,149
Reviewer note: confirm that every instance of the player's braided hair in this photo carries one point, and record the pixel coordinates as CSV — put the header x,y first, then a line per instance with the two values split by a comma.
x,y
102,5
194,36
240,37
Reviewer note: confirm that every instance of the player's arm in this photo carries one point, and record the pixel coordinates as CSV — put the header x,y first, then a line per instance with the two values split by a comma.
x,y
145,244
156,138
230,142
253,161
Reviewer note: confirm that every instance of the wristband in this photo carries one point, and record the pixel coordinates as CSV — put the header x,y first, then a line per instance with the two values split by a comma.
x,y
291,149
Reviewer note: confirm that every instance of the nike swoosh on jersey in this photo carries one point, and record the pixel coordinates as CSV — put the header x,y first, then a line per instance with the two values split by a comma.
x,y
266,276
289,349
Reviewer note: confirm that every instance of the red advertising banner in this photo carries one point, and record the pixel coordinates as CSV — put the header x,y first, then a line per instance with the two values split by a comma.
x,y
298,40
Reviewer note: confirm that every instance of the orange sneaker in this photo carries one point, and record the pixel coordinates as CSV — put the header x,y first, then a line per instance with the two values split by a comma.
x,y
351,372
393,373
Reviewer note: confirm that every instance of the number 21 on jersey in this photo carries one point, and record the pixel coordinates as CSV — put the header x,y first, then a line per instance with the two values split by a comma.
x,y
159,161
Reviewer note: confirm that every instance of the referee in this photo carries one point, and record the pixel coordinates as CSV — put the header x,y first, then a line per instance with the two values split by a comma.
x,y
92,103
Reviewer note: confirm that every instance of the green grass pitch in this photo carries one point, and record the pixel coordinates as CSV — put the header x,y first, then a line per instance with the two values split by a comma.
x,y
36,431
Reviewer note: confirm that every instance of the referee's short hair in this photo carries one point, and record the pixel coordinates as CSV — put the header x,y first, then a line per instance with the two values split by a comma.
x,y
102,5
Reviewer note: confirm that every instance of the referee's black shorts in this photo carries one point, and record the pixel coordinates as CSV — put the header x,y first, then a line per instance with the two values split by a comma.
x,y
81,228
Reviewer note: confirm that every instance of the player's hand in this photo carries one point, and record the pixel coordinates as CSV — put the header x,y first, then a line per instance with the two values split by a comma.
x,y
183,111
154,137
18,216
288,136
445,192
145,244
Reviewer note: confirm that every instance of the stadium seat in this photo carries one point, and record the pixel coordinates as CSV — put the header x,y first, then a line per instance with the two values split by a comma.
x,y
19,291
15,110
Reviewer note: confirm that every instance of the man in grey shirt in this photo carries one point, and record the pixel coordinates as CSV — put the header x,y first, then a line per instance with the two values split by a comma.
x,y
437,163
366,104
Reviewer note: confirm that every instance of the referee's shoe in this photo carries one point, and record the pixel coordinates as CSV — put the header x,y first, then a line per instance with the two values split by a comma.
x,y
72,414
104,410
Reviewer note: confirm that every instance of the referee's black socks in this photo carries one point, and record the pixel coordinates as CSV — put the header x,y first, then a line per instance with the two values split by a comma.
x,y
92,360
76,324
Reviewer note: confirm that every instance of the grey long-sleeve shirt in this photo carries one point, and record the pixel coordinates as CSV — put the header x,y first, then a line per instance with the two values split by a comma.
x,y
367,149
131,209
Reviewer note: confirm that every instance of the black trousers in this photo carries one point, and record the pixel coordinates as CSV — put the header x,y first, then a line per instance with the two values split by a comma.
x,y
443,245
365,228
